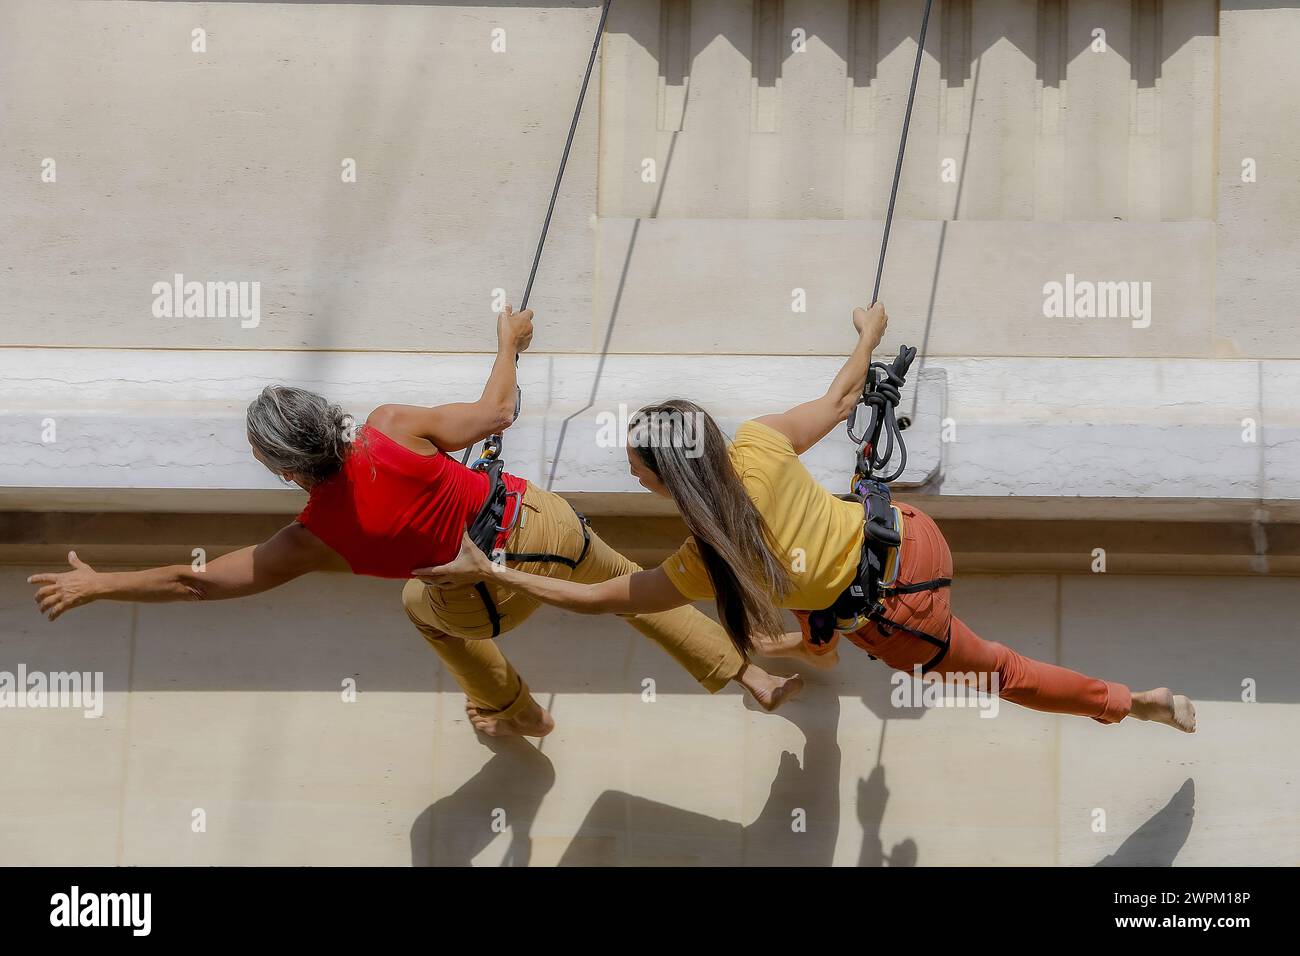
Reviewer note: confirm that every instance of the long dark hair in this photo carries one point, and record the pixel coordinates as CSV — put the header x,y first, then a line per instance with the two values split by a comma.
x,y
682,444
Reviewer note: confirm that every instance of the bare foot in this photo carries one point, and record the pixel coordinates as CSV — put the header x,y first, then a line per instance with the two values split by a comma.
x,y
768,690
532,721
791,644
1165,707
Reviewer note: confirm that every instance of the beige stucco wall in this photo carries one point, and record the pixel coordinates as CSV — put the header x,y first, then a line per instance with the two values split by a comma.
x,y
225,165
236,710
770,174
1035,154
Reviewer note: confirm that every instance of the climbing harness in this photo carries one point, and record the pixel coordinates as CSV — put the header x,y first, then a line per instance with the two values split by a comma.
x,y
492,446
863,601
490,524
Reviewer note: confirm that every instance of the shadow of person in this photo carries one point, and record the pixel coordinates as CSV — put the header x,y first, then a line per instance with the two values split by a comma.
x,y
1158,841
797,826
876,683
879,682
504,794
873,794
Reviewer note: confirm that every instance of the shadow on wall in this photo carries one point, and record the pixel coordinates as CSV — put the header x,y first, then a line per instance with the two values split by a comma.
x,y
954,43
862,33
349,625
612,321
622,829
505,793
1158,841
873,792
797,826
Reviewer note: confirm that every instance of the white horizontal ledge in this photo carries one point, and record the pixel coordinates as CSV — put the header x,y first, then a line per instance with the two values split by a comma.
x,y
1097,428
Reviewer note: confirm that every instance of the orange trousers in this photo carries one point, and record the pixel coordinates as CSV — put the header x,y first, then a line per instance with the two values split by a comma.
x,y
924,555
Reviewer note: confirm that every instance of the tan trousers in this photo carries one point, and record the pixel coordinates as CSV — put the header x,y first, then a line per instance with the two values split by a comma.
x,y
455,622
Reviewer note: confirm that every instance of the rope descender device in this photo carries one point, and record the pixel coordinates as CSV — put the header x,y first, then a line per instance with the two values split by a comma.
x,y
880,395
882,526
880,391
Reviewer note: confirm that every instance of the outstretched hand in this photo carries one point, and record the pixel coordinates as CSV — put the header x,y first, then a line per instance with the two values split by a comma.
x,y
469,567
67,589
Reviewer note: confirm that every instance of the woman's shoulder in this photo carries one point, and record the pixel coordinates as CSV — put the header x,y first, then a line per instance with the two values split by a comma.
x,y
379,446
754,433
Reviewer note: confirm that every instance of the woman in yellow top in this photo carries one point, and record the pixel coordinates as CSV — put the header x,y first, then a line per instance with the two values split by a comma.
x,y
765,535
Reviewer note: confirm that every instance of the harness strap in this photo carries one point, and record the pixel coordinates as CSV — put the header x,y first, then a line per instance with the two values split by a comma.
x,y
943,651
879,618
932,585
865,596
490,606
485,527
537,557
542,556
941,643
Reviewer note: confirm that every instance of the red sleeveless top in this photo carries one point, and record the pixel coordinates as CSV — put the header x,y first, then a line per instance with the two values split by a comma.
x,y
390,510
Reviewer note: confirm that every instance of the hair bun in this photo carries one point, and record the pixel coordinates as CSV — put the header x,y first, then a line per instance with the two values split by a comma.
x,y
344,426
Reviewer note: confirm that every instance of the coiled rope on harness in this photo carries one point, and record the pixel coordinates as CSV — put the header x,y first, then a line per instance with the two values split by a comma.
x,y
864,599
880,390
492,446
880,396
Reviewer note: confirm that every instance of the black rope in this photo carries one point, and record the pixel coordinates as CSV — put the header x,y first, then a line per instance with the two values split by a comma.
x,y
492,447
880,395
568,145
902,146
880,390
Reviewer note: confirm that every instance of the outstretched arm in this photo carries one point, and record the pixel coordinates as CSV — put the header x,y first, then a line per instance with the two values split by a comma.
x,y
807,424
460,424
289,553
642,592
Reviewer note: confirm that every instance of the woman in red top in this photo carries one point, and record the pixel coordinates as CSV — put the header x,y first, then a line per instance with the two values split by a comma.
x,y
386,499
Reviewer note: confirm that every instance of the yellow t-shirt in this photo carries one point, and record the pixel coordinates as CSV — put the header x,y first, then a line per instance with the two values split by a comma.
x,y
820,536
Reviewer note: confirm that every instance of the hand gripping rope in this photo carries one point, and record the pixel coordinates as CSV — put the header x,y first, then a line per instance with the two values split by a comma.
x,y
492,447
880,391
864,600
487,526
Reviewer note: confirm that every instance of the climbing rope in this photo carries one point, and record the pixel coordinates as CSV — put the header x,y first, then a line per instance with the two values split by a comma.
x,y
492,447
880,389
880,395
902,146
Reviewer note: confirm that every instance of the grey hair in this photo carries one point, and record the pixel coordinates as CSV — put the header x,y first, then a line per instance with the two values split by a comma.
x,y
299,432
